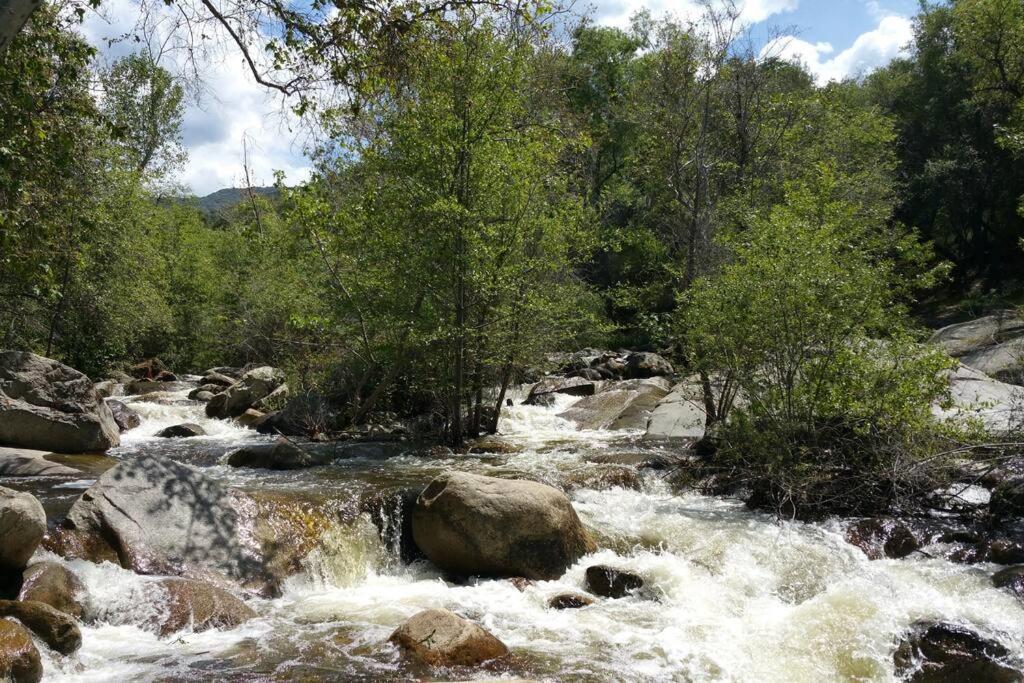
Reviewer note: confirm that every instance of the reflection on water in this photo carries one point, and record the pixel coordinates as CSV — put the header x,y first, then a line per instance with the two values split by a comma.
x,y
729,594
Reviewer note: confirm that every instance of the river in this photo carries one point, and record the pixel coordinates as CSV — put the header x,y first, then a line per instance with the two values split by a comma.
x,y
730,595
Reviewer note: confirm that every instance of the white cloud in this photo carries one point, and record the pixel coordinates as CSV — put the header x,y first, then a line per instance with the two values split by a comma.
x,y
233,108
618,13
869,51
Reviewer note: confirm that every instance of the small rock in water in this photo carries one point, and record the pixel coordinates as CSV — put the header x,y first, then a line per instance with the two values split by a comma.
x,y
124,417
609,582
933,653
437,637
569,601
1012,579
55,585
880,538
19,658
280,455
521,583
181,431
57,629
200,606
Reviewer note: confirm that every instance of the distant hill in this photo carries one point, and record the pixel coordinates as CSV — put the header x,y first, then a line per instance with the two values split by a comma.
x,y
221,200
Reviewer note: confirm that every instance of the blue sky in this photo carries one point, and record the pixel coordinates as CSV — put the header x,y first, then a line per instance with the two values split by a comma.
x,y
834,38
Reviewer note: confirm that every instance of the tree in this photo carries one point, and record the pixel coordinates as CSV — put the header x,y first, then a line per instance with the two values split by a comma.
x,y
143,104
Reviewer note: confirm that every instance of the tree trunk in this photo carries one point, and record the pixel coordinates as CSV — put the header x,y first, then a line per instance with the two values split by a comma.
x,y
13,15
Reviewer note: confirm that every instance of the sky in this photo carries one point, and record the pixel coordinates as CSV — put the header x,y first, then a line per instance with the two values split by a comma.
x,y
834,38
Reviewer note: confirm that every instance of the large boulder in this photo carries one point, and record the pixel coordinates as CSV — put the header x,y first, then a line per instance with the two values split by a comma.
x,y
642,364
25,462
54,585
679,415
573,386
962,339
933,653
977,397
48,406
254,386
199,606
19,658
124,417
437,637
475,525
22,525
619,405
55,628
158,516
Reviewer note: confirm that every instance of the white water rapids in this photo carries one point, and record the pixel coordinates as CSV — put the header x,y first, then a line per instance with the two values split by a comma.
x,y
729,595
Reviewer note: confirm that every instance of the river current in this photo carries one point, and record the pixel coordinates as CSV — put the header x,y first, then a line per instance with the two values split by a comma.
x,y
730,595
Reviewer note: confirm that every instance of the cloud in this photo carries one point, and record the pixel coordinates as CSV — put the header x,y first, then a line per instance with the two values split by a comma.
x,y
618,13
869,51
232,108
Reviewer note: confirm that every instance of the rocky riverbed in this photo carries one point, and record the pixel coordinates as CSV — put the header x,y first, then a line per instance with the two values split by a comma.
x,y
315,573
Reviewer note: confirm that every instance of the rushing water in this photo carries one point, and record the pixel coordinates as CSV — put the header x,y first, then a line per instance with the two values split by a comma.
x,y
730,595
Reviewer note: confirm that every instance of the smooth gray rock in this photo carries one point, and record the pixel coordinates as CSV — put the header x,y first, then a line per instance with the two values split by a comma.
x,y
619,405
22,525
280,455
969,337
47,405
679,415
25,462
998,406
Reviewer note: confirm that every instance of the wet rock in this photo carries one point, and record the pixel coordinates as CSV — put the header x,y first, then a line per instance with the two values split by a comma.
x,y
437,637
879,538
391,511
199,606
22,525
46,405
491,444
24,462
469,524
573,386
55,628
609,582
158,516
280,455
19,658
641,365
602,478
124,417
250,418
54,585
1012,579
521,583
569,601
619,405
182,431
933,653
253,386
1004,551
1008,498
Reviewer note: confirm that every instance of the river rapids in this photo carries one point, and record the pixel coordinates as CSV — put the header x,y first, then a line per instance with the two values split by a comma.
x,y
730,595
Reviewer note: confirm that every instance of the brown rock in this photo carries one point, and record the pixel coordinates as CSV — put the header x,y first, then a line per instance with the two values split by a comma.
x,y
56,629
609,582
200,606
880,538
22,525
19,658
569,601
437,637
55,585
937,653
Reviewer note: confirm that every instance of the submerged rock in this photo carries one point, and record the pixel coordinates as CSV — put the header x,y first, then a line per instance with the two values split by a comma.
x,y
182,431
46,405
933,653
19,658
437,637
124,417
470,524
609,582
280,455
55,585
22,525
880,538
199,606
55,628
569,601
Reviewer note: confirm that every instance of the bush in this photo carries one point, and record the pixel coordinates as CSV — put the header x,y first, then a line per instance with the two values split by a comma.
x,y
804,330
